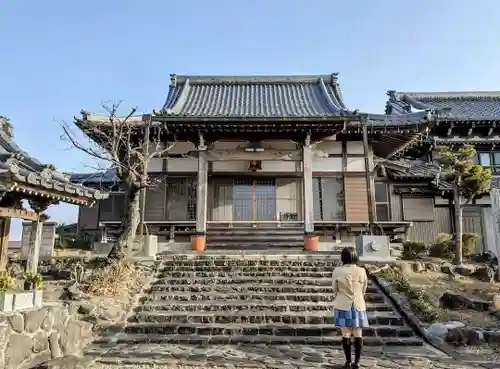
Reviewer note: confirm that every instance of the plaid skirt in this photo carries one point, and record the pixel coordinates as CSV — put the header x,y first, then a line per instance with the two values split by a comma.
x,y
351,318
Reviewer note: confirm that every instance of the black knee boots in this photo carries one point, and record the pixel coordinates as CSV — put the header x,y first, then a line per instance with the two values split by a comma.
x,y
358,347
346,344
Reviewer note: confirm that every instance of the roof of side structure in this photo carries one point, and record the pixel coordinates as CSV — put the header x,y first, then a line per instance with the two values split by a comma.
x,y
481,105
20,172
254,96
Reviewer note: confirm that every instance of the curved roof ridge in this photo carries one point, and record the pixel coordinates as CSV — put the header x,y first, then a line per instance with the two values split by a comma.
x,y
333,104
448,95
177,105
211,79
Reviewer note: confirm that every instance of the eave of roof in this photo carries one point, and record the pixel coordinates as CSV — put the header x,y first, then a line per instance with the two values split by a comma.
x,y
460,106
23,173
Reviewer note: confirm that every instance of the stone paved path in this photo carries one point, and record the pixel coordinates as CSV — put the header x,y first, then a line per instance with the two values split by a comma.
x,y
267,357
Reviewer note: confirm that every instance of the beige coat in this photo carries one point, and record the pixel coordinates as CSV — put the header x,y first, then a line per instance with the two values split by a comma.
x,y
350,283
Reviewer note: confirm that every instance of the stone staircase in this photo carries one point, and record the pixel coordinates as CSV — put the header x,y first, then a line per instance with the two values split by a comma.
x,y
209,301
255,238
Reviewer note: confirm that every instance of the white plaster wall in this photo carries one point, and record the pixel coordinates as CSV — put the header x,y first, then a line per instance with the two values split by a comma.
x,y
489,230
182,165
230,166
355,164
486,200
155,165
355,147
279,144
326,164
278,166
182,147
229,145
329,147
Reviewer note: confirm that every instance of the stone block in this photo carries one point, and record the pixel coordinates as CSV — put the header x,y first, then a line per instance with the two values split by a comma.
x,y
23,300
16,322
373,248
102,249
33,319
19,348
6,301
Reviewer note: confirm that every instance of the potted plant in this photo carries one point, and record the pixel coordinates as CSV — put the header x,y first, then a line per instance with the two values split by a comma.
x,y
7,284
33,282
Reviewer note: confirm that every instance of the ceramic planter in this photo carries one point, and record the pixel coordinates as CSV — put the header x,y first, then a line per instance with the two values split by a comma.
x,y
6,301
37,298
23,300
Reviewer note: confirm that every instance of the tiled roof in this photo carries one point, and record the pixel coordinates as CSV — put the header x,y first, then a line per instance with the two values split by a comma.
x,y
96,178
254,96
23,173
458,105
422,170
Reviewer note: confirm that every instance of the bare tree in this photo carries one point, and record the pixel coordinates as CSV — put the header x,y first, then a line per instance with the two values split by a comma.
x,y
125,144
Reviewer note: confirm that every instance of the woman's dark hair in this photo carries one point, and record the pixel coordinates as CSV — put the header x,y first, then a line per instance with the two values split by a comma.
x,y
349,256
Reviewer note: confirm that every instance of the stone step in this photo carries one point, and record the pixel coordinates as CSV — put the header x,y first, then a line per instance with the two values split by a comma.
x,y
223,307
256,245
258,317
236,273
242,279
250,287
238,269
215,296
255,230
224,262
299,330
133,339
273,237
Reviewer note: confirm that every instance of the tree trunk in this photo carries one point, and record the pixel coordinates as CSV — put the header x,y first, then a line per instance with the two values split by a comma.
x,y
130,222
458,223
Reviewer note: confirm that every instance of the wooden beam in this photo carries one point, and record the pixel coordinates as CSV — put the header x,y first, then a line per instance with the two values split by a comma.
x,y
4,241
370,188
242,155
18,213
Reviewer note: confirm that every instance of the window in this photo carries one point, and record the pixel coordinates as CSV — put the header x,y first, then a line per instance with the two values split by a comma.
x,y
382,202
418,209
490,160
328,198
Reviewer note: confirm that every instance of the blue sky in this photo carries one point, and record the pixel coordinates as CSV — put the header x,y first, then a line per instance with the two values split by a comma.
x,y
59,57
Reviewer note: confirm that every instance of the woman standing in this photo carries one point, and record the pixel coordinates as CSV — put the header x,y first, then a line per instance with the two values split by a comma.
x,y
350,283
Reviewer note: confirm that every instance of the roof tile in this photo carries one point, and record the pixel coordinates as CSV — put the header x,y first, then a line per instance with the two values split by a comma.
x,y
459,105
258,96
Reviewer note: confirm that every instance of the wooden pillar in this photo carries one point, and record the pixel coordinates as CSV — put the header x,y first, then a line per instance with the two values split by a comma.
x,y
201,194
4,241
198,240
370,186
311,242
34,249
147,119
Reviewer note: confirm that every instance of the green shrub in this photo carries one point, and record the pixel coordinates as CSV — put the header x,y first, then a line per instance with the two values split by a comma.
x,y
7,282
413,250
443,247
469,244
418,299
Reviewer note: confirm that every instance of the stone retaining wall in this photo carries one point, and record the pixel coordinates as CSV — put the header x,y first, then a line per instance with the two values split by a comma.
x,y
30,337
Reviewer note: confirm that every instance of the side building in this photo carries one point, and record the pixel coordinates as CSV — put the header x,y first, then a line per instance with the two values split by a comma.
x,y
462,118
285,151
